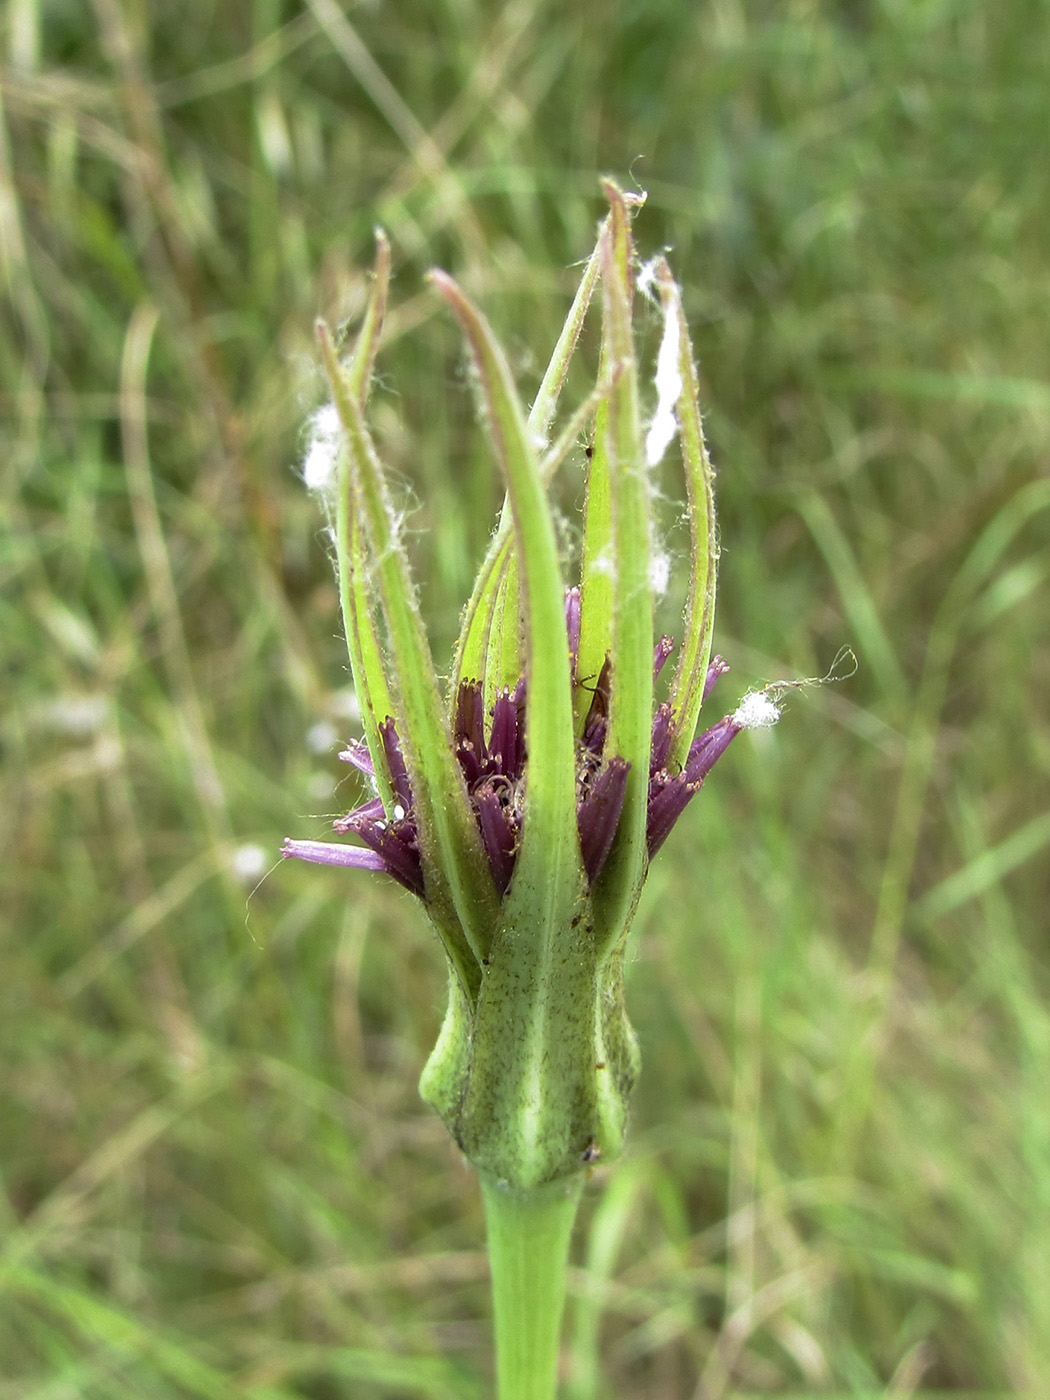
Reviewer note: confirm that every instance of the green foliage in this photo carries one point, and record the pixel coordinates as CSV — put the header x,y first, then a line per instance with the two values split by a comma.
x,y
217,1179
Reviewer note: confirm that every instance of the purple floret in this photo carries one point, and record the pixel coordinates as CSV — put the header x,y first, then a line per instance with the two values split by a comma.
x,y
396,843
661,652
332,853
598,815
494,771
395,762
499,828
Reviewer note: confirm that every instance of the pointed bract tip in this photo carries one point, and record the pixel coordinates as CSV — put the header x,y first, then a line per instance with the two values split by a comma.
x,y
631,199
382,262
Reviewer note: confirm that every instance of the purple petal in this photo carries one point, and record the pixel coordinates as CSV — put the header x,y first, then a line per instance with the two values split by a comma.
x,y
597,721
332,853
499,831
396,843
396,763
470,717
668,797
368,811
468,762
598,815
503,739
670,794
705,751
520,747
661,740
661,652
718,667
357,754
506,743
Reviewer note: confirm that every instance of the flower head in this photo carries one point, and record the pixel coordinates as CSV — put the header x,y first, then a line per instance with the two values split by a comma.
x,y
525,810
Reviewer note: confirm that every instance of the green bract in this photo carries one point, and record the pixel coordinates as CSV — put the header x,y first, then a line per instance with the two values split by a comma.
x,y
523,808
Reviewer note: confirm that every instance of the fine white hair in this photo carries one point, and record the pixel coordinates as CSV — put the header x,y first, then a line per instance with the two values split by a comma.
x,y
756,711
668,390
322,451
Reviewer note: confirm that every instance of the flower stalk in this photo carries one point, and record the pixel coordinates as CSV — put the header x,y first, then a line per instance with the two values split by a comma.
x,y
523,808
528,1241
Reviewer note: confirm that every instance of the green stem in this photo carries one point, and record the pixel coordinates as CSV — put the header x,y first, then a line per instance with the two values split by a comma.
x,y
529,1234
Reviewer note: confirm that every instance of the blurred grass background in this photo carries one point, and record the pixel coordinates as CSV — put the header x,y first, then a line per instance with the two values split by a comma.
x,y
217,1179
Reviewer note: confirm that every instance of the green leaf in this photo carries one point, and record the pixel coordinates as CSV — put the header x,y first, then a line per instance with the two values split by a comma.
x,y
459,887
481,654
505,662
631,698
596,565
542,412
362,361
362,640
473,644
687,688
596,582
473,647
550,844
359,621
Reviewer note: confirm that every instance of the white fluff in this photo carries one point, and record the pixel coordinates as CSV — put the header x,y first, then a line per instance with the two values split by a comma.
x,y
668,391
756,711
321,737
646,279
248,861
323,450
659,573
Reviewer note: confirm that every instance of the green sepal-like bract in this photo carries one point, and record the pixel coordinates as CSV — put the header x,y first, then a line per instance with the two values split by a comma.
x,y
551,1057
459,889
480,638
631,614
687,688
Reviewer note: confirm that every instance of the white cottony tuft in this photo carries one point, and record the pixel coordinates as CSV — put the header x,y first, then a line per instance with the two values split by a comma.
x,y
646,279
248,861
321,737
668,390
756,711
659,572
323,451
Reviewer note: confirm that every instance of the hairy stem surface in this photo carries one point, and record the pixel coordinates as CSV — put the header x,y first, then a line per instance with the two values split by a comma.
x,y
528,1234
